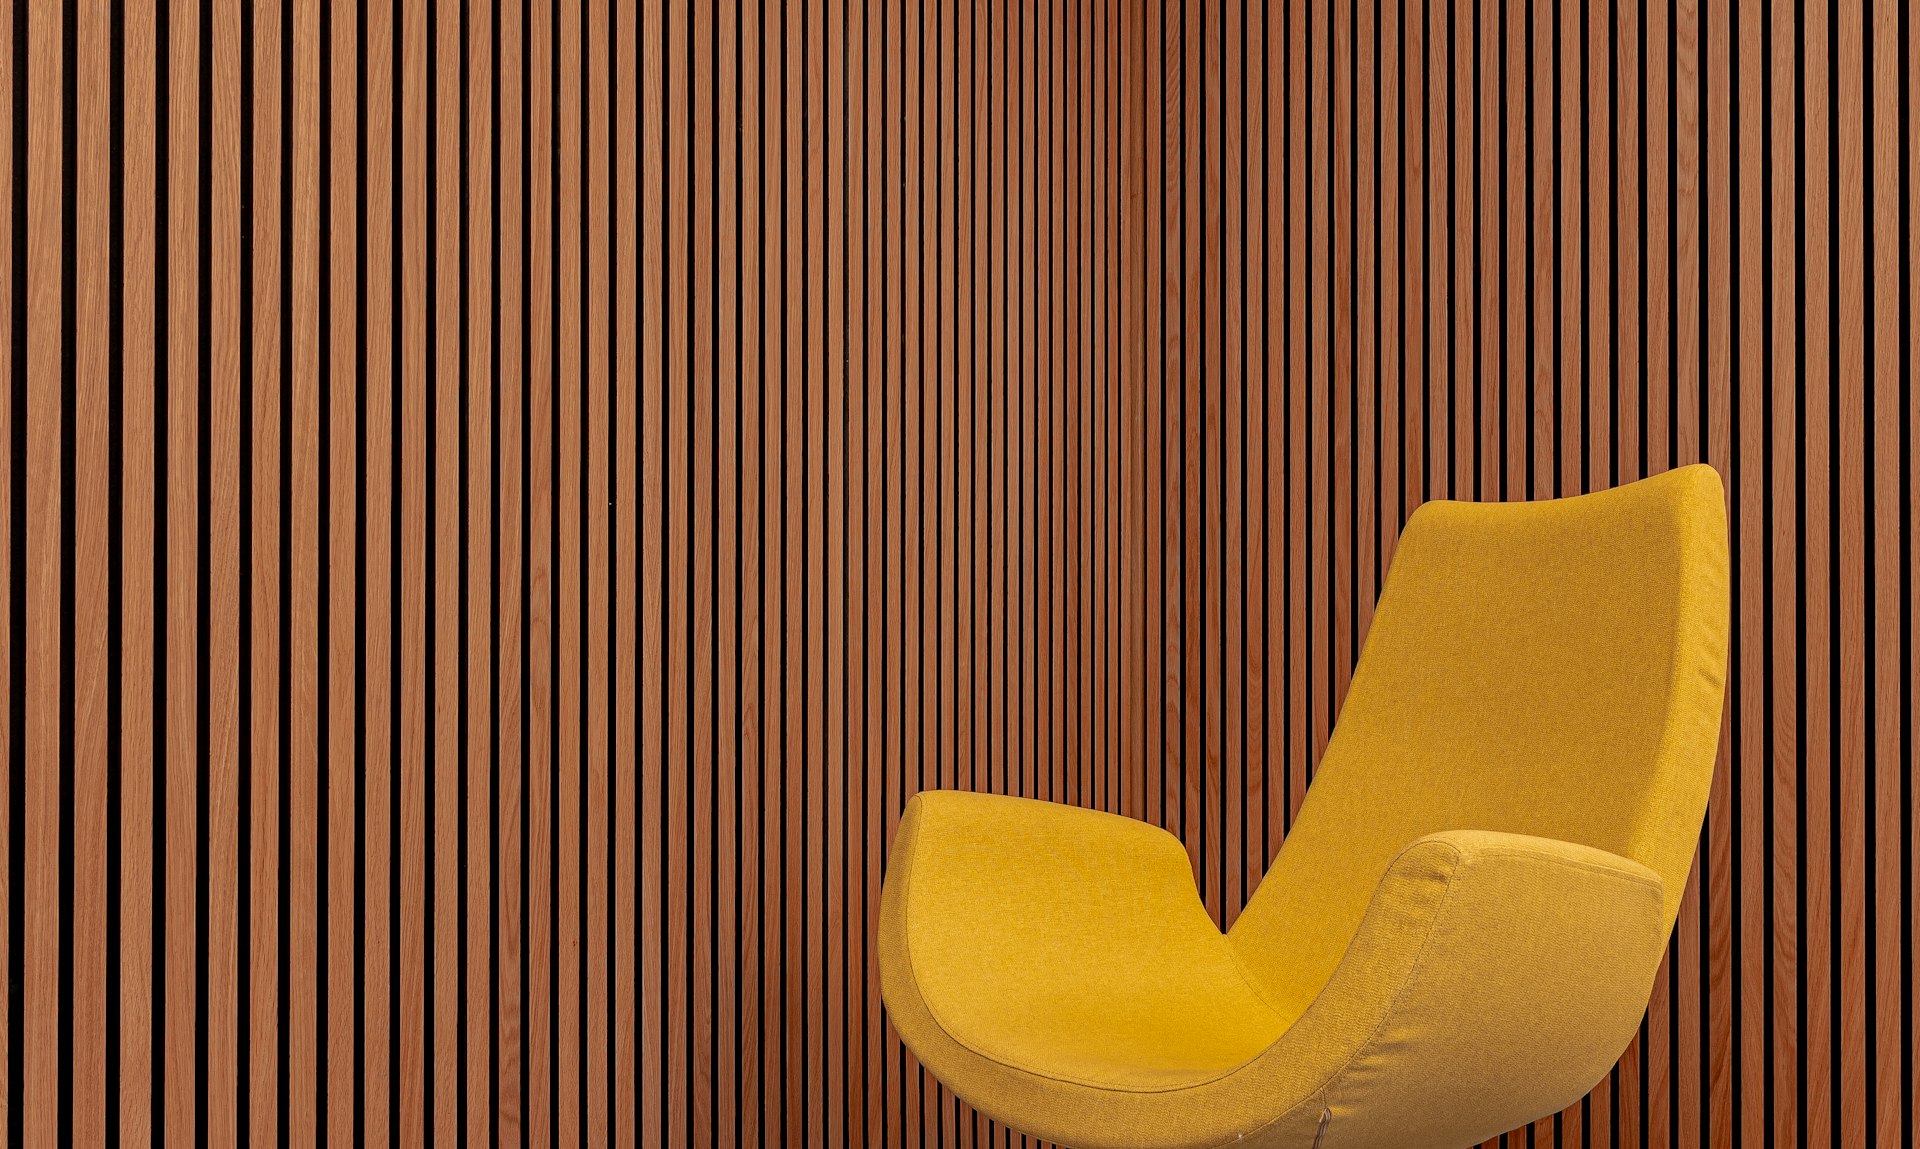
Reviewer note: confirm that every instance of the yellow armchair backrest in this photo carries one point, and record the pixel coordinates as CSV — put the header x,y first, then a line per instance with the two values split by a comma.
x,y
1552,668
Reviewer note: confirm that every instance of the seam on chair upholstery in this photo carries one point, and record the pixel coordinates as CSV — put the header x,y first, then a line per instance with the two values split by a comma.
x,y
1014,1066
1246,976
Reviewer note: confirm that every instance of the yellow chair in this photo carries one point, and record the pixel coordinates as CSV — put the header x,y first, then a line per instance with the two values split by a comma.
x,y
1462,929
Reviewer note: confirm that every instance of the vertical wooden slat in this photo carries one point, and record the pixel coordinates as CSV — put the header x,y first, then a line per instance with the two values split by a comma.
x,y
1055,370
37,1085
864,1029
301,834
182,624
1469,26
1298,384
623,383
1416,191
677,538
1451,390
481,615
513,637
433,171
1440,231
571,580
1535,398
262,820
1228,303
955,359
543,710
1130,451
1567,242
1004,365
926,1097
1821,767
805,688
1109,227
413,824
88,519
339,545
1516,202
728,381
1850,742
220,114
1077,405
1192,445
1629,162
1370,227
1320,289
777,1033
754,358
1754,880
1717,428
1658,160
1155,351
596,940
831,1079
1257,391
1788,1120
138,954
1603,229
649,726
379,1040
895,1075
698,556
1392,131
875,452
1146,400
1892,716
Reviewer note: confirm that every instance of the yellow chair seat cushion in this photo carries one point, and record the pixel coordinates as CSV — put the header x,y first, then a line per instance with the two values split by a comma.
x,y
1073,970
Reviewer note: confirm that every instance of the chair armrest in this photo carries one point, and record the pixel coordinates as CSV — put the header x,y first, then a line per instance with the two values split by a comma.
x,y
1494,980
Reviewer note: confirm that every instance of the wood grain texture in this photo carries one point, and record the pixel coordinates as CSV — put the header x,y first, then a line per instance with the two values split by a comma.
x,y
507,500
87,638
140,620
39,601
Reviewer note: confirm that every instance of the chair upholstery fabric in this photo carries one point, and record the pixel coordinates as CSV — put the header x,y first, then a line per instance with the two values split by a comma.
x,y
1460,931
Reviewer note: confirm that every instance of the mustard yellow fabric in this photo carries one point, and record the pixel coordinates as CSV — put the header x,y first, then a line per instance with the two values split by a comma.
x,y
1460,932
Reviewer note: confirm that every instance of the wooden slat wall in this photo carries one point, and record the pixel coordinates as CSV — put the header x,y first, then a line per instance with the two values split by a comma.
x,y
1387,253
505,501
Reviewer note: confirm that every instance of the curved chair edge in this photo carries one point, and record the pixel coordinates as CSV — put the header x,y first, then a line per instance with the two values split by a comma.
x,y
1499,977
